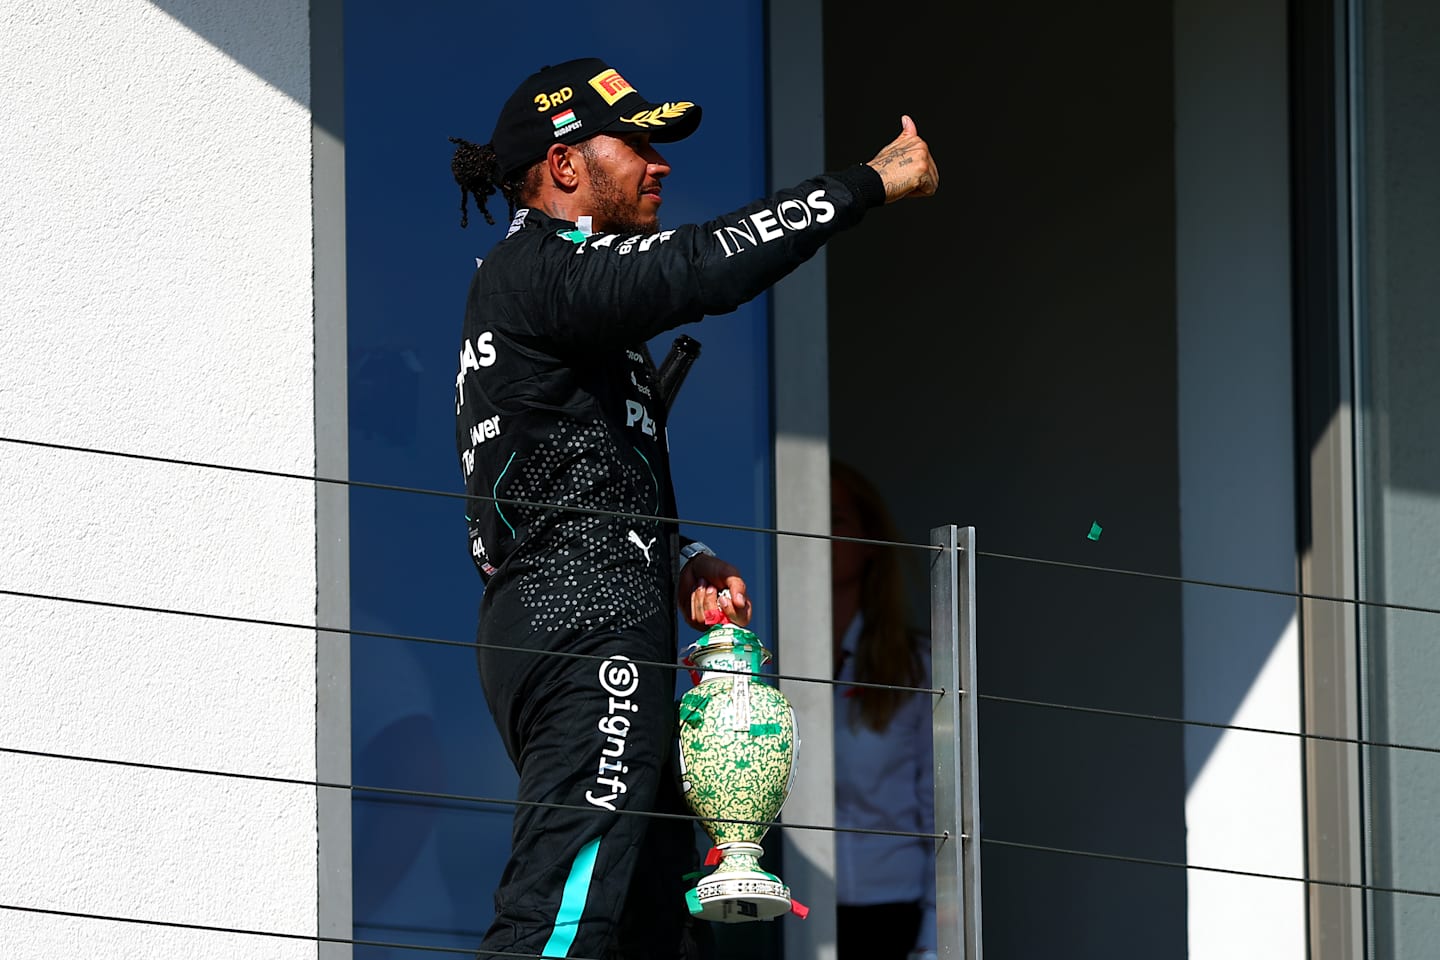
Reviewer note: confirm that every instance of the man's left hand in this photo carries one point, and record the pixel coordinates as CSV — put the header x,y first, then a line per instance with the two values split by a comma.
x,y
709,585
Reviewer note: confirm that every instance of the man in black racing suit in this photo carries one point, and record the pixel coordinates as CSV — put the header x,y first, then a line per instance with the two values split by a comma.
x,y
561,436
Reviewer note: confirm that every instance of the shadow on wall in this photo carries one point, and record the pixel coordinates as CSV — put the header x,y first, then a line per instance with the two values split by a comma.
x,y
270,38
424,866
1005,357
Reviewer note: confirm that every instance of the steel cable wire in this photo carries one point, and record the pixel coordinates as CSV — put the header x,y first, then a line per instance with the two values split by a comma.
x,y
453,797
274,934
468,644
1259,875
1217,584
1043,848
1210,724
827,681
715,524
456,495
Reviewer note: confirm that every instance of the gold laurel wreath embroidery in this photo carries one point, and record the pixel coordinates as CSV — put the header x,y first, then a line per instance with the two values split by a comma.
x,y
656,117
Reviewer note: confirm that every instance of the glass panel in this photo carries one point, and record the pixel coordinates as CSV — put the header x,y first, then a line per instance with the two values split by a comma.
x,y
1397,154
424,869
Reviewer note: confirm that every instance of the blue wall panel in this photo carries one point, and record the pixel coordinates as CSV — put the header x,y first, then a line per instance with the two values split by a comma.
x,y
416,74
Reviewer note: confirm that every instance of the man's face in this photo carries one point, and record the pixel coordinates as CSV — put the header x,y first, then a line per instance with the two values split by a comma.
x,y
624,182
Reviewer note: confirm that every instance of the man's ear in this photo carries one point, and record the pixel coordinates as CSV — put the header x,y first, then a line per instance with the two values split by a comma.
x,y
560,166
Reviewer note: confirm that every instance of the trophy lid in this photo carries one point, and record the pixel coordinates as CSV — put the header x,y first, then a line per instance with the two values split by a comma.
x,y
726,637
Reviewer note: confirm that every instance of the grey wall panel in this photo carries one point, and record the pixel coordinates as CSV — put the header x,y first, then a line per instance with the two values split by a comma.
x,y
332,461
1003,356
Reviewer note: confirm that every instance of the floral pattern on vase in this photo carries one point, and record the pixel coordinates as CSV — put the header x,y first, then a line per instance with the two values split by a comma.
x,y
737,749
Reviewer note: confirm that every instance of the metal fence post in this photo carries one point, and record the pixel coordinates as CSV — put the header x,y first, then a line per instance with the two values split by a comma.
x,y
957,785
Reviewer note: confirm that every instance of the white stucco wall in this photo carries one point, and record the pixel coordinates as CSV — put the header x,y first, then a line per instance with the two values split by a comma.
x,y
1244,806
155,298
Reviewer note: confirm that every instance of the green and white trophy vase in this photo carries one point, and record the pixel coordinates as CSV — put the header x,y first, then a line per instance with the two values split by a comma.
x,y
737,754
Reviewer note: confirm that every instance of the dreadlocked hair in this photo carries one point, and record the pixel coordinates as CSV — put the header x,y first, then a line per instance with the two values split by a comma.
x,y
478,172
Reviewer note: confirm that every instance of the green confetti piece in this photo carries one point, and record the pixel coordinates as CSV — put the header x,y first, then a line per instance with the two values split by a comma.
x,y
1095,529
692,901
764,729
752,655
691,707
574,236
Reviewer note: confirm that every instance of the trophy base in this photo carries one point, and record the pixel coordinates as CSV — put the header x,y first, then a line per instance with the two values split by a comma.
x,y
741,897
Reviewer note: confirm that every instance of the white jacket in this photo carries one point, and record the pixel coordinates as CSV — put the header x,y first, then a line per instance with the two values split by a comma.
x,y
885,781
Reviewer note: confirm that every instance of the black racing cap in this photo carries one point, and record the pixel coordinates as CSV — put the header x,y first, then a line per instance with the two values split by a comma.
x,y
571,101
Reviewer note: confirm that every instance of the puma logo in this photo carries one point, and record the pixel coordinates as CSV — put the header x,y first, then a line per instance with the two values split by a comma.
x,y
644,547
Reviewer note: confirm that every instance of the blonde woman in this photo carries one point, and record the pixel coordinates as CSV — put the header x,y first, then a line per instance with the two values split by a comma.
x,y
884,780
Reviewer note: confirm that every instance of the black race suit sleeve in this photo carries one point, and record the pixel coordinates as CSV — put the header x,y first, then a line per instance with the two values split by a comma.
x,y
555,402
621,289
